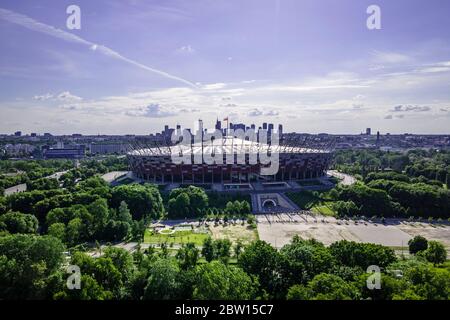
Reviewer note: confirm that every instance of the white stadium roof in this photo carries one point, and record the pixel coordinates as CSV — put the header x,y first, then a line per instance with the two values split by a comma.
x,y
227,145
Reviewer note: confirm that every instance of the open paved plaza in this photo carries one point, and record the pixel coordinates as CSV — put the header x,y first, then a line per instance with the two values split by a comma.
x,y
278,230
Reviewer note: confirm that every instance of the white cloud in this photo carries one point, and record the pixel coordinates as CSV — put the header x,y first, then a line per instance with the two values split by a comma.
x,y
255,113
408,108
271,113
66,96
390,57
44,97
151,111
188,49
214,86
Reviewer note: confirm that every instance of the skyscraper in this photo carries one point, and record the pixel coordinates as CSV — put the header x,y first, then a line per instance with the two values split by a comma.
x,y
218,125
200,126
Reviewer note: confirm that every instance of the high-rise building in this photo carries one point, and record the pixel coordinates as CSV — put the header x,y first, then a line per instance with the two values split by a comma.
x,y
280,130
218,125
238,126
200,126
265,126
368,131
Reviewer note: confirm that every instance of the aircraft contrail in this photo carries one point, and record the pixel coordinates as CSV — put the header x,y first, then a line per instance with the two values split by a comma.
x,y
37,26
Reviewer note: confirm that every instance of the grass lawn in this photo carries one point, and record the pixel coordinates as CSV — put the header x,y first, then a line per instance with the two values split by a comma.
x,y
178,237
307,200
324,210
234,233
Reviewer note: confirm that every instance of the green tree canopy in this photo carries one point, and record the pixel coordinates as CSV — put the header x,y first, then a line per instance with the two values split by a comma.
x,y
216,281
416,244
142,200
16,222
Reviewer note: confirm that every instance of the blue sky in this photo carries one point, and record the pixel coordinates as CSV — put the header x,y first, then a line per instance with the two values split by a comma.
x,y
136,65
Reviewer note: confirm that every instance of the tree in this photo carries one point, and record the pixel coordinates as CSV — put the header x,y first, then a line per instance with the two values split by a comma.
x,y
16,222
43,184
417,244
27,263
116,230
435,253
245,207
162,283
75,231
429,283
122,260
216,250
187,202
57,230
345,208
238,248
3,207
216,281
123,213
138,230
298,292
331,287
187,256
371,201
100,214
353,254
142,200
208,249
303,259
262,260
102,269
198,199
90,290
222,249
179,207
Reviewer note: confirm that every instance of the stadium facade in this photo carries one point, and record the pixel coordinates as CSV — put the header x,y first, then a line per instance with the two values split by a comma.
x,y
156,164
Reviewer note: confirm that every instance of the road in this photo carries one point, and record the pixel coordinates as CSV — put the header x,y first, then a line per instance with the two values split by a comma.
x,y
23,187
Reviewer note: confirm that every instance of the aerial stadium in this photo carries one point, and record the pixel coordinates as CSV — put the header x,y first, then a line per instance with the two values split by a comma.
x,y
297,159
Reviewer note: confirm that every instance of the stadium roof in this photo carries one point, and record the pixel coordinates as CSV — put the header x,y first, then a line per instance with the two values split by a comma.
x,y
227,145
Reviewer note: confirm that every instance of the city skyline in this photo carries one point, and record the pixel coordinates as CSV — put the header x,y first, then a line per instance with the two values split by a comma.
x,y
314,67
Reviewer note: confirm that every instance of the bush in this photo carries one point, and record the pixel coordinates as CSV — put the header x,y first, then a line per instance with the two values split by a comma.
x,y
417,244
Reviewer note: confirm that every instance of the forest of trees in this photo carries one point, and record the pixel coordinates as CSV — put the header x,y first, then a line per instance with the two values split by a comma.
x,y
415,184
32,267
47,228
93,211
419,165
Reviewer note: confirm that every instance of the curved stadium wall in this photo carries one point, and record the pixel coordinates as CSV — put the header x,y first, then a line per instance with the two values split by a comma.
x,y
156,165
